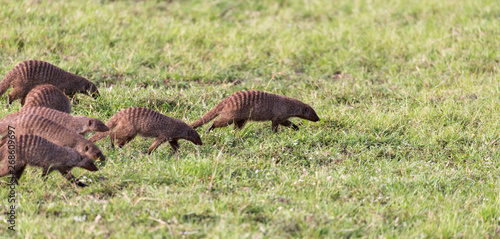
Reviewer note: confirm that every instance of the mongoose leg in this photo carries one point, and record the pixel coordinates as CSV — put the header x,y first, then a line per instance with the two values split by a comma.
x,y
275,125
4,171
112,138
124,133
288,123
210,128
45,172
70,177
174,144
19,172
4,140
23,99
156,143
122,142
220,122
16,93
239,124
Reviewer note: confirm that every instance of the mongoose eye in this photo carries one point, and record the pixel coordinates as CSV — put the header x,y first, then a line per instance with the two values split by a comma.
x,y
90,122
86,148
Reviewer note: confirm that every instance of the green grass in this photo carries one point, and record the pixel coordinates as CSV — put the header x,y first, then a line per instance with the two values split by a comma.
x,y
407,92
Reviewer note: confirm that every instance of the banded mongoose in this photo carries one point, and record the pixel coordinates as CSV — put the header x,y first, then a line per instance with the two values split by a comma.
x,y
55,133
28,74
128,123
48,96
257,106
36,151
80,124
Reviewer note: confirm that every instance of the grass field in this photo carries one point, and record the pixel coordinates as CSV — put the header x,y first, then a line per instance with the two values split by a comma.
x,y
408,93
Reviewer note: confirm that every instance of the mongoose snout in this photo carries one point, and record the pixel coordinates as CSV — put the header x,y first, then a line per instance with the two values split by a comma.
x,y
87,163
94,152
195,137
97,125
92,90
310,114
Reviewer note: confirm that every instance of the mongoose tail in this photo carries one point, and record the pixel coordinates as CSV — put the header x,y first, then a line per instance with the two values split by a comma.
x,y
214,112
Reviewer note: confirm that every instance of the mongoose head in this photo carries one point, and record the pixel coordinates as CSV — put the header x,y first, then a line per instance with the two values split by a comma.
x,y
308,113
89,88
194,137
86,163
91,151
96,125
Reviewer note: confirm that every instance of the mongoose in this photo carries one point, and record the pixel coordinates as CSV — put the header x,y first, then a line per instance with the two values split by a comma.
x,y
257,106
48,96
128,123
55,133
28,74
80,124
37,151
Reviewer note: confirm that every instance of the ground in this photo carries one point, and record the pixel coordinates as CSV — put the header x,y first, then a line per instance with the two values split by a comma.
x,y
407,93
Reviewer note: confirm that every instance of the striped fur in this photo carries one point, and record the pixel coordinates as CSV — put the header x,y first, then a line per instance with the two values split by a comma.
x,y
28,74
79,124
36,151
55,133
128,123
48,96
257,106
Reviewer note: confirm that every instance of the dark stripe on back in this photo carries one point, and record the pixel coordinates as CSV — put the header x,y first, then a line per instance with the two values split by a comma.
x,y
23,69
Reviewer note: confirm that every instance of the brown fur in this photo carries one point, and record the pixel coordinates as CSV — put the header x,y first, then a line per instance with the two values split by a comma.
x,y
80,124
257,106
36,151
28,74
55,133
48,96
128,123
